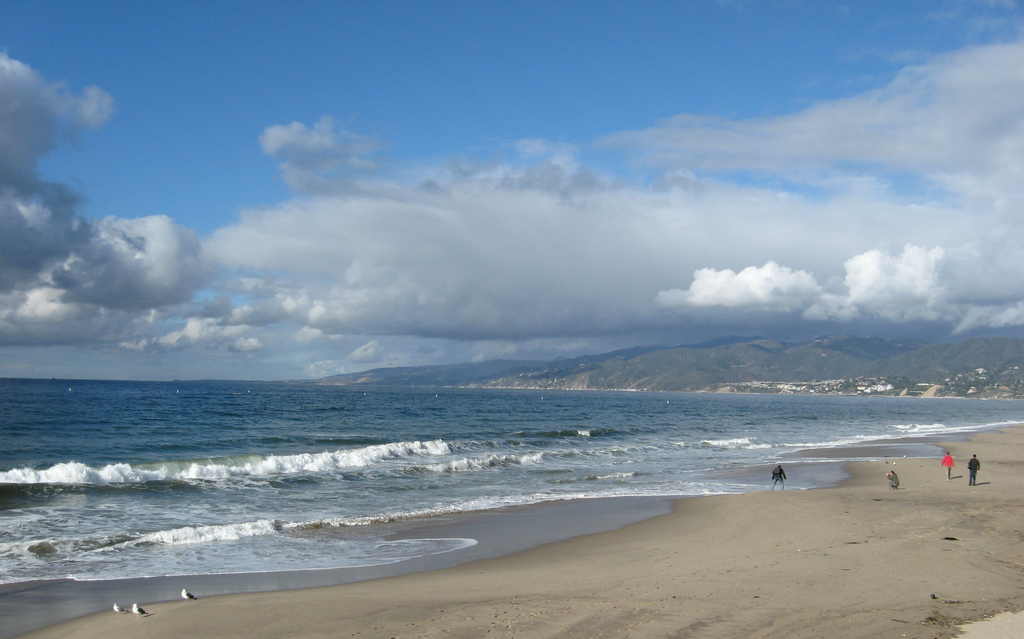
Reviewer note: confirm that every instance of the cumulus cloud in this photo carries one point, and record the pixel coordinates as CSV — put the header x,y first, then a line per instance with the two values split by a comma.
x,y
35,115
903,288
493,254
906,287
892,207
64,277
34,235
203,331
769,287
37,218
133,265
900,288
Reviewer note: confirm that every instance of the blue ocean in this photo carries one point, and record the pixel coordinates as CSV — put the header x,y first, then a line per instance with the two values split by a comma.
x,y
113,480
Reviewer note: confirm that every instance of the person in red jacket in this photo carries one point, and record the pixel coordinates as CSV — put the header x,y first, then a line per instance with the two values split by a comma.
x,y
947,461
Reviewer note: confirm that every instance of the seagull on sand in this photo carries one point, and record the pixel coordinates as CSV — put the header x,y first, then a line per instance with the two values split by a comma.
x,y
118,608
186,594
137,610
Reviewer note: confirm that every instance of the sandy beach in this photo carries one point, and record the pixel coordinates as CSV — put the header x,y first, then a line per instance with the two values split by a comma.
x,y
858,560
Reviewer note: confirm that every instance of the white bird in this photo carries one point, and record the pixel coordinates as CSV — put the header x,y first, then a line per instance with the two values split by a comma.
x,y
118,608
186,594
137,610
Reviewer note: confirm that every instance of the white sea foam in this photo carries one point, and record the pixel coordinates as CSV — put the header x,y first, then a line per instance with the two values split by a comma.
x,y
356,554
225,467
611,476
921,429
834,443
204,534
901,431
940,428
491,461
34,548
736,442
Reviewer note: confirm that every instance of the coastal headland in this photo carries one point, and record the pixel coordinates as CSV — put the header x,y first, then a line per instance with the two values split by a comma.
x,y
857,560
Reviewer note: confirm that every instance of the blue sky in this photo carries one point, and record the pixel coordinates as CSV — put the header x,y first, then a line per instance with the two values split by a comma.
x,y
297,189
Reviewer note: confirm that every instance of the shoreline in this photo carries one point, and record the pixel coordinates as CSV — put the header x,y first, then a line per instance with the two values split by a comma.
x,y
599,571
499,532
32,605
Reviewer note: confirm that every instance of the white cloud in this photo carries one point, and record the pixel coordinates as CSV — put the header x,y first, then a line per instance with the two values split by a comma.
x,y
992,316
769,287
318,159
900,288
954,121
476,256
201,331
493,255
246,345
44,304
64,278
34,114
900,205
368,352
93,109
134,264
896,288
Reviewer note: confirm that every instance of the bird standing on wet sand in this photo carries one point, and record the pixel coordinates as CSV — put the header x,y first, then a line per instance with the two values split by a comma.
x,y
118,608
136,610
186,594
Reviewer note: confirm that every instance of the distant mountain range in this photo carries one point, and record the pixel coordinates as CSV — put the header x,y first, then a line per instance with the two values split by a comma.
x,y
980,367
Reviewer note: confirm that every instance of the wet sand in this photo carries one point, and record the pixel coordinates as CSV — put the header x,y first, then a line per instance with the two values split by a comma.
x,y
858,560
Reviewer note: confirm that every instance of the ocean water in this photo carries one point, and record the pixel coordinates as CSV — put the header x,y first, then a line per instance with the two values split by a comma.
x,y
113,480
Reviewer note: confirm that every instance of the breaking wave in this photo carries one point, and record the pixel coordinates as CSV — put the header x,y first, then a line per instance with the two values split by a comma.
x,y
215,468
491,461
736,442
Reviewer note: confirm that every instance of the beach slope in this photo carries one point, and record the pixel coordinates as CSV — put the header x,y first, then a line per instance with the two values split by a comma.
x,y
859,560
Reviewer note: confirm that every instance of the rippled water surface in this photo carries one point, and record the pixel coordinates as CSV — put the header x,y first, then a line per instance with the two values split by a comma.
x,y
102,480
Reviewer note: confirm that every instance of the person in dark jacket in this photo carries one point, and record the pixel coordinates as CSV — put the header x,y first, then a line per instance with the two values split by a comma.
x,y
973,466
894,481
779,476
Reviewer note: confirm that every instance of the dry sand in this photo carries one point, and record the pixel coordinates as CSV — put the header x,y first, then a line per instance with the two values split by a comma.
x,y
858,560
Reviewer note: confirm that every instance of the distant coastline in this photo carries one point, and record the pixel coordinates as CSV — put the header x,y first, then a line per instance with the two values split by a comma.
x,y
979,368
861,388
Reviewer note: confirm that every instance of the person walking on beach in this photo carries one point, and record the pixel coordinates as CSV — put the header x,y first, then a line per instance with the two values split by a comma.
x,y
779,476
947,461
973,466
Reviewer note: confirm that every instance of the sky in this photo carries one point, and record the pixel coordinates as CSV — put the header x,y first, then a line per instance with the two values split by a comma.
x,y
291,190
